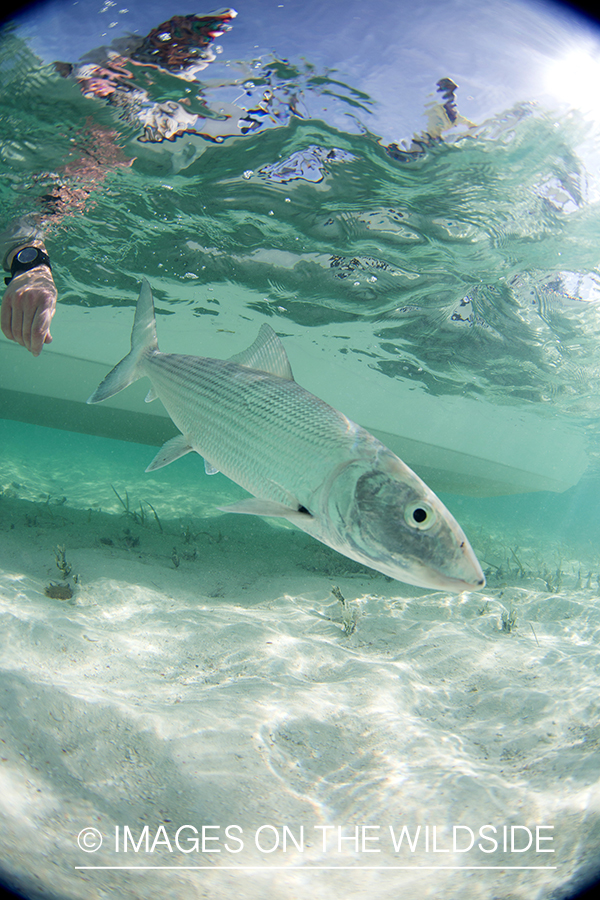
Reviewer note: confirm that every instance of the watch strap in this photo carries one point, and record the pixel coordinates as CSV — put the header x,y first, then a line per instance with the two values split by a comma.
x,y
19,265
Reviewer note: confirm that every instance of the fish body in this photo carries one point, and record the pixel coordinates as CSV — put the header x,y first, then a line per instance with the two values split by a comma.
x,y
299,458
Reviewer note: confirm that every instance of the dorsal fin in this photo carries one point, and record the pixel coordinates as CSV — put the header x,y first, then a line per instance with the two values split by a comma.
x,y
266,354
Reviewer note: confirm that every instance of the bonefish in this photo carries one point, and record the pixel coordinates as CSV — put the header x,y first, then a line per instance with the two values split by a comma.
x,y
298,457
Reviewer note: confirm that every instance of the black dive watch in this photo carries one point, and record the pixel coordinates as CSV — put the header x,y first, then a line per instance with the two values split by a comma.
x,y
25,259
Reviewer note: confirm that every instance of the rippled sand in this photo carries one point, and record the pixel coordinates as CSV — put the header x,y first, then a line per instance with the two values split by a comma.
x,y
206,675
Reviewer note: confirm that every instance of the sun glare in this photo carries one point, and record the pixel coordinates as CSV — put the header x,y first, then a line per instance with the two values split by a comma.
x,y
574,79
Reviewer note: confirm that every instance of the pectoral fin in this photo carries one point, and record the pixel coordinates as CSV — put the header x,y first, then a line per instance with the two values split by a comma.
x,y
254,506
169,452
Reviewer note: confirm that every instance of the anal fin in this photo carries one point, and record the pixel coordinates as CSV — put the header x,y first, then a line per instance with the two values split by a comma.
x,y
170,451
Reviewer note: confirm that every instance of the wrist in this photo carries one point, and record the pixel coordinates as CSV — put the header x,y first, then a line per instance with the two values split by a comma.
x,y
39,244
27,257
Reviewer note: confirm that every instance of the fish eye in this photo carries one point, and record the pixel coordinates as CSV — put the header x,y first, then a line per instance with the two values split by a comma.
x,y
420,516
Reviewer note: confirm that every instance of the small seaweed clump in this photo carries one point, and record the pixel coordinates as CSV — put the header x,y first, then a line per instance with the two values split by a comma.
x,y
63,590
62,565
138,517
349,612
508,620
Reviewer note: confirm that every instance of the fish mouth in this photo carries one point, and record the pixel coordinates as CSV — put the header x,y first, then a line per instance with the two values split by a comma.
x,y
437,580
440,582
434,580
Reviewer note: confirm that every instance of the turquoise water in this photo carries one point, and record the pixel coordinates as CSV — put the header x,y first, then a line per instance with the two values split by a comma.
x,y
496,219
200,670
203,674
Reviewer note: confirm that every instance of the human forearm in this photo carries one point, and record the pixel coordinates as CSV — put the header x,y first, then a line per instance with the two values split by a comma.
x,y
29,302
26,231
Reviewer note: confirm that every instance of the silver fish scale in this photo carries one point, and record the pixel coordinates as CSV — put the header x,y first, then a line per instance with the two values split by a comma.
x,y
249,419
264,432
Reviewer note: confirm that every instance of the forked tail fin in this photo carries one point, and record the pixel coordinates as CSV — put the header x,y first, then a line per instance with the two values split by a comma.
x,y
143,340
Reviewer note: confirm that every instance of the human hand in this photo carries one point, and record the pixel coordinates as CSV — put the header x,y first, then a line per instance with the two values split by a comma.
x,y
27,308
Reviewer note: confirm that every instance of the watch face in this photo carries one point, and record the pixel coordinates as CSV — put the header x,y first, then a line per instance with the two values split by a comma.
x,y
27,255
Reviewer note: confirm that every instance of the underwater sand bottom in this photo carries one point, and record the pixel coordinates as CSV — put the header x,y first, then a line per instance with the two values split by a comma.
x,y
205,675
